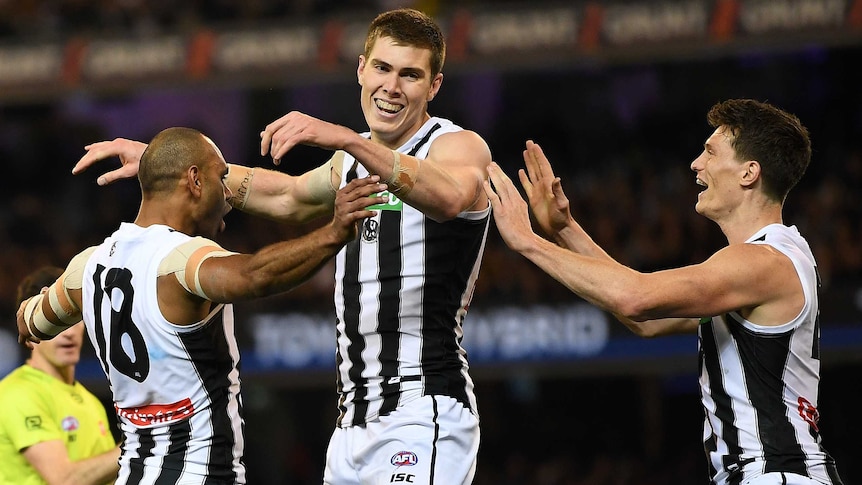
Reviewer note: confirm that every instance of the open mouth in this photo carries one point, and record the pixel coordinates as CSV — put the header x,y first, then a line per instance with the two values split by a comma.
x,y
387,107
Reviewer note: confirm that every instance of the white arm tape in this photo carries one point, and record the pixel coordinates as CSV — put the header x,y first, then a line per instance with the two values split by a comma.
x,y
35,318
62,304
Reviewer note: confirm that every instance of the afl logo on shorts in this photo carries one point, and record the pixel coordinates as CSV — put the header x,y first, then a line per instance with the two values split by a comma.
x,y
404,458
70,423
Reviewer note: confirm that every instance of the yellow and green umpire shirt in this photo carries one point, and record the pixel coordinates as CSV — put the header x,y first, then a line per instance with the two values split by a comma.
x,y
35,407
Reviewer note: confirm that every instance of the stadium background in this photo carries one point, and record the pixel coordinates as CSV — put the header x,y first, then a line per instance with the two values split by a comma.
x,y
616,93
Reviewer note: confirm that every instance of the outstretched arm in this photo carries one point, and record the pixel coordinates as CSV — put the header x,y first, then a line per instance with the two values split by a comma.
x,y
551,209
282,266
754,279
266,193
447,182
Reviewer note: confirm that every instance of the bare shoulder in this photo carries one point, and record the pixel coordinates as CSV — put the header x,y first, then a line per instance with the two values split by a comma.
x,y
758,268
464,148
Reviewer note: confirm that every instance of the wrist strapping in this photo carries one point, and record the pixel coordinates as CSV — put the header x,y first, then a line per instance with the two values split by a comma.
x,y
37,324
404,175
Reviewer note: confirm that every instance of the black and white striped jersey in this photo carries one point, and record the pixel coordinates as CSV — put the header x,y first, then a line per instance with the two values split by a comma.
x,y
176,389
403,288
759,384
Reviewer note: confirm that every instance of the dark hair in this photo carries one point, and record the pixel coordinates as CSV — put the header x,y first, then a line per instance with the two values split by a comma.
x,y
409,27
33,283
774,138
168,155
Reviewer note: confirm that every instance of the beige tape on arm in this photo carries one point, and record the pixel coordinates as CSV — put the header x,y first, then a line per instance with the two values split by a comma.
x,y
61,303
405,174
37,323
185,263
320,182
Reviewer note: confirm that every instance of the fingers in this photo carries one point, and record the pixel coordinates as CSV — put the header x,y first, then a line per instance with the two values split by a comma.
x,y
359,194
270,139
502,183
95,152
526,183
557,188
28,342
530,161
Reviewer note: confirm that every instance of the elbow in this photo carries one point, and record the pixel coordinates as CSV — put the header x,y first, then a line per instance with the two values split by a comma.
x,y
443,212
635,309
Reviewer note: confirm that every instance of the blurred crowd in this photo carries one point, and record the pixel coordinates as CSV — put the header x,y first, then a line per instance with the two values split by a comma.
x,y
39,19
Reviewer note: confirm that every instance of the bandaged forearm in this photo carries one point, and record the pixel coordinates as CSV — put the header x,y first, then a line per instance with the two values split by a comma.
x,y
37,323
405,174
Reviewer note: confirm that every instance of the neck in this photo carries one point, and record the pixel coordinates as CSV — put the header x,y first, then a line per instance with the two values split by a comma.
x,y
64,374
166,214
741,224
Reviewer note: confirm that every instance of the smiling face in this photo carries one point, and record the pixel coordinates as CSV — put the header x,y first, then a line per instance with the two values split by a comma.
x,y
397,85
721,174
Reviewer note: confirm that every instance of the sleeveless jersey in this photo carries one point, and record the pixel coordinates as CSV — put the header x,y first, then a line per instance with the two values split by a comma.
x,y
759,384
38,408
402,291
176,388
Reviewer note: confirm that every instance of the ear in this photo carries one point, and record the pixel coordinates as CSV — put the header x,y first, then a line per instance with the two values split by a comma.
x,y
751,171
193,178
360,69
435,86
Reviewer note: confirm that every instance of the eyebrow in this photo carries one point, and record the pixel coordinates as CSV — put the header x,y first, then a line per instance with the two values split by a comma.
x,y
405,70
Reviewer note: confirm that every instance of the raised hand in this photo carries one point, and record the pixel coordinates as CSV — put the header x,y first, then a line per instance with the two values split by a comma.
x,y
128,151
544,191
297,128
351,202
509,208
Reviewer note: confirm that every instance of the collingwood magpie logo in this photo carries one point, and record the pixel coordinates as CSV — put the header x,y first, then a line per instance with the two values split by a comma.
x,y
370,230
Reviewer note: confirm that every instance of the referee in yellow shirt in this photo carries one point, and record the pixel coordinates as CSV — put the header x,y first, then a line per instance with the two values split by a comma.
x,y
52,429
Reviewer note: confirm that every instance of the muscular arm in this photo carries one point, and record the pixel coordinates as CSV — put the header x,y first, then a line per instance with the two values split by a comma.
x,y
185,296
266,193
51,461
755,280
550,207
284,197
446,183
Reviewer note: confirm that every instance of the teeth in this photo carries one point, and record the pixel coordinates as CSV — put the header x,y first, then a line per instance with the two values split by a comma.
x,y
700,182
388,107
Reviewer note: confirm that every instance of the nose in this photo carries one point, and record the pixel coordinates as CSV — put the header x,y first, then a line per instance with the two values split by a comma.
x,y
390,84
696,165
227,192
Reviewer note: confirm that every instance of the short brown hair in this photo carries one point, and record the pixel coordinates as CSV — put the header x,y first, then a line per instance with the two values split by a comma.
x,y
409,27
773,137
33,283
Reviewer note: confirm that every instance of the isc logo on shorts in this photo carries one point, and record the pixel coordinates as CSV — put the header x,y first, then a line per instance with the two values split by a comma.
x,y
404,458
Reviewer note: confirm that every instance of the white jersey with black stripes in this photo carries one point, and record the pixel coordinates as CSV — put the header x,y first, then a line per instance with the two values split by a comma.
x,y
759,384
176,389
403,288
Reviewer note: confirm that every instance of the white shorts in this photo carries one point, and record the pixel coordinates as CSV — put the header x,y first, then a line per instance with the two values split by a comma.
x,y
431,440
781,478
